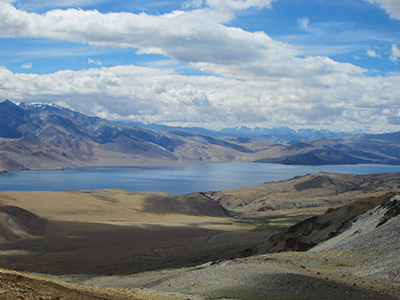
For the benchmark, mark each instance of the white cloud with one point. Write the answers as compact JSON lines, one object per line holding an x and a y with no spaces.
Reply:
{"x":337,"y":101}
{"x":27,"y":66}
{"x":372,"y":53}
{"x":256,"y":77}
{"x":94,"y":61}
{"x":192,"y":4}
{"x":239,"y":4}
{"x":395,"y":53}
{"x":392,"y":7}
{"x":196,"y":36}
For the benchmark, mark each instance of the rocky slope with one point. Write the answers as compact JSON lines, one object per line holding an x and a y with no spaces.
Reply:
{"x":315,"y":230}
{"x":18,"y":285}
{"x":373,"y":239}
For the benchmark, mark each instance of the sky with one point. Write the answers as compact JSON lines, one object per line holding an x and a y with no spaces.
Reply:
{"x":319,"y":64}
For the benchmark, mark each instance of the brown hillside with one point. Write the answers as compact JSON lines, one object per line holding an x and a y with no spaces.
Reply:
{"x":17,"y":285}
{"x":115,"y":232}
{"x":17,"y":223}
{"x":312,"y":193}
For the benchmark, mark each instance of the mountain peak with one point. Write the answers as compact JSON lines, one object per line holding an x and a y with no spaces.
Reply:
{"x":39,"y":105}
{"x":9,"y":104}
{"x":9,"y":109}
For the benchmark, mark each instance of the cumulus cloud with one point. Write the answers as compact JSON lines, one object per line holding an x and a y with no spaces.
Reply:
{"x":340,"y":101}
{"x":192,"y":4}
{"x":254,"y":76}
{"x":395,"y":53}
{"x":392,"y":7}
{"x":372,"y":53}
{"x":26,"y":66}
{"x":196,"y":36}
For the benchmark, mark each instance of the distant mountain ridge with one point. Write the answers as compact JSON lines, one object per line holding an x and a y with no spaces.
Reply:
{"x":352,"y":149}
{"x":50,"y":136}
{"x":42,"y":136}
{"x":274,"y":134}
{"x":280,"y":134}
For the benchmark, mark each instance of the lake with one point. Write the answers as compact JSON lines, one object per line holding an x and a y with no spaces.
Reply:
{"x":172,"y":179}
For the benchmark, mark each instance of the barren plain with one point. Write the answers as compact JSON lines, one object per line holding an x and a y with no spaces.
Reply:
{"x":195,"y":246}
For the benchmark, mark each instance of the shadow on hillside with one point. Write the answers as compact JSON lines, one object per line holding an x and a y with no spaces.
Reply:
{"x":90,"y":248}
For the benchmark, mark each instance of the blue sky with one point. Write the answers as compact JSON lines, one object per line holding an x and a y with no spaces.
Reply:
{"x":211,"y":63}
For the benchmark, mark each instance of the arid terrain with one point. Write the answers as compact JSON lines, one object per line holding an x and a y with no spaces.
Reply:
{"x":309,"y":194}
{"x":113,"y":232}
{"x":17,"y":285}
{"x":40,"y":136}
{"x":200,"y":149}
{"x":207,"y":245}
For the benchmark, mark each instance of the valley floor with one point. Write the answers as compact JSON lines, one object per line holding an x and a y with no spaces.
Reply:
{"x":160,"y":246}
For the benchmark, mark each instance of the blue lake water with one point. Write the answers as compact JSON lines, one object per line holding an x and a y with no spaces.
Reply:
{"x":172,"y":179}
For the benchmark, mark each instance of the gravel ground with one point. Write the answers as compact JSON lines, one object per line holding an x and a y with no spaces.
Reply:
{"x":375,"y":250}
{"x":360,"y":263}
{"x":16,"y":285}
{"x":261,"y":277}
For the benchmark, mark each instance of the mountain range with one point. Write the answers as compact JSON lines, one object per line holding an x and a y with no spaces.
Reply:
{"x":274,"y":134}
{"x":50,"y":136}
{"x":40,"y":136}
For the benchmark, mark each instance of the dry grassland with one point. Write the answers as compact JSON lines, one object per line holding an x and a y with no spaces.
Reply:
{"x":142,"y":240}
{"x":117,"y":232}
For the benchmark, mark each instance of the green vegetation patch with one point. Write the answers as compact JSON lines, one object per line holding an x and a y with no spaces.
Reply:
{"x":276,"y":223}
